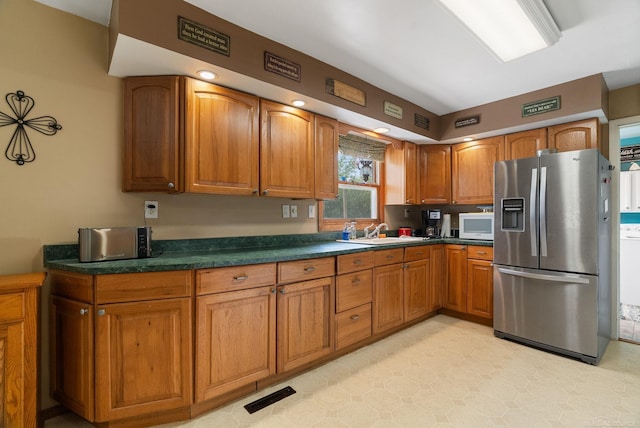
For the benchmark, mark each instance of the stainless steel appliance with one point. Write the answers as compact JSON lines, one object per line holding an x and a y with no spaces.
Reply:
{"x":115,"y":243}
{"x":551,"y":252}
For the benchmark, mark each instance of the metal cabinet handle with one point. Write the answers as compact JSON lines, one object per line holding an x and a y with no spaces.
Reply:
{"x":171,"y":185}
{"x":357,"y":262}
{"x":389,"y":257}
{"x":265,"y":192}
{"x":273,"y":291}
{"x":356,"y":281}
{"x":481,"y":252}
{"x":309,"y":269}
{"x":84,"y":311}
{"x":282,"y":291}
{"x":240,"y":277}
{"x":255,"y":191}
{"x":101,"y":312}
{"x":355,"y":317}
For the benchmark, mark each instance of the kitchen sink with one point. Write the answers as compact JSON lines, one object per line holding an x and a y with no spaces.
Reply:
{"x":383,"y":241}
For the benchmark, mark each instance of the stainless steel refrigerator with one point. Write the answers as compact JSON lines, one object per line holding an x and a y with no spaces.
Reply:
{"x":552,"y":235}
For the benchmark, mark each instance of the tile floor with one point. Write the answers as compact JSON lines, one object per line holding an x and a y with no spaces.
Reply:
{"x":445,"y":372}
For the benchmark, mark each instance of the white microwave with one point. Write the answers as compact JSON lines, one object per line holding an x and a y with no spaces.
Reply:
{"x":476,"y":226}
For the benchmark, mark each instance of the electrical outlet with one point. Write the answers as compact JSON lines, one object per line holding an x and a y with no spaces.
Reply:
{"x":150,"y":209}
{"x":294,"y":211}
{"x":312,"y":211}
{"x":286,"y":212}
{"x":406,"y":213}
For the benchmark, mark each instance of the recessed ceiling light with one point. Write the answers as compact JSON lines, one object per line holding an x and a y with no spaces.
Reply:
{"x":381,"y":130}
{"x":206,"y":74}
{"x":298,"y":103}
{"x":468,"y":139}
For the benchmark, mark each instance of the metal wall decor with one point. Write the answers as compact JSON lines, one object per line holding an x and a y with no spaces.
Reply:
{"x":20,"y":149}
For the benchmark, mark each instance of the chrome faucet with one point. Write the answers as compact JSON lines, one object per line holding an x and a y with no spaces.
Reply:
{"x":375,"y":232}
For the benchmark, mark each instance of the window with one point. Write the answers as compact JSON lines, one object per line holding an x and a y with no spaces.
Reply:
{"x":359,"y":177}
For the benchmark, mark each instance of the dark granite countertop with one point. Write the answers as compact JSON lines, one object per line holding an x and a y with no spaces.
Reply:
{"x":219,"y":252}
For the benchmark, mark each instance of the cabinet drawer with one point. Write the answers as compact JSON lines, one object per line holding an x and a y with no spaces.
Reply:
{"x":131,"y":287}
{"x":234,"y":278}
{"x":353,"y":262}
{"x":353,"y":325}
{"x":11,"y":306}
{"x":388,"y":257}
{"x":303,"y":270}
{"x":353,"y":289}
{"x":478,"y":252}
{"x":417,"y":253}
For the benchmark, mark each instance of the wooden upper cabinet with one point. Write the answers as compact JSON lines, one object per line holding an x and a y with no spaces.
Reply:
{"x":583,"y":134}
{"x":286,"y":151}
{"x":472,"y":170}
{"x":525,"y":144}
{"x":326,"y":158}
{"x":152,"y":142}
{"x":222,"y":145}
{"x":434,"y":172}
{"x":401,"y":174}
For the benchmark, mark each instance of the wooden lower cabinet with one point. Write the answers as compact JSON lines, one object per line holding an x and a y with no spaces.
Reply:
{"x":19,"y":365}
{"x":417,"y":282}
{"x":116,"y":356}
{"x":469,"y":285}
{"x":235,"y":340}
{"x":143,"y":357}
{"x":436,"y":276}
{"x":305,"y":322}
{"x":388,"y":297}
{"x":455,"y":296}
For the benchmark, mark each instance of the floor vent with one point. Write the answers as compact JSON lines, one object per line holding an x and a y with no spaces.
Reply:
{"x":268,"y":400}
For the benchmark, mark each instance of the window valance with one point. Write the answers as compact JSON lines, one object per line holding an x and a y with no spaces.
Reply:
{"x":362,"y":147}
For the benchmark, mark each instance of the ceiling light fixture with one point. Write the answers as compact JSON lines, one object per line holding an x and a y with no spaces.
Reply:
{"x":381,"y":130}
{"x":206,"y":74}
{"x":298,"y":103}
{"x":510,"y":28}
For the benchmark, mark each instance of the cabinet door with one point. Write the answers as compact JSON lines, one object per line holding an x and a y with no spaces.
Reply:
{"x":434,"y":172}
{"x":222,"y":145}
{"x":583,"y":134}
{"x":472,"y":170}
{"x":626,"y":191}
{"x":455,"y":296}
{"x":388,"y":300}
{"x":305,"y":313}
{"x":326,"y":158}
{"x":437,"y":277}
{"x":480,"y":288}
{"x":401,"y":174}
{"x":417,"y":289}
{"x":635,"y":191}
{"x":525,"y":144}
{"x":235,"y":340}
{"x":143,"y":357}
{"x":286,"y":151}
{"x":71,"y":354}
{"x":152,"y":141}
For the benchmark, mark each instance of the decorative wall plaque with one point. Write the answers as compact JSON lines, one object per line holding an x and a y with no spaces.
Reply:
{"x":467,"y":121}
{"x":283,"y":67}
{"x":204,"y":37}
{"x":542,"y":106}
{"x":421,"y":121}
{"x":629,"y":153}
{"x":346,"y":92}
{"x":392,"y":110}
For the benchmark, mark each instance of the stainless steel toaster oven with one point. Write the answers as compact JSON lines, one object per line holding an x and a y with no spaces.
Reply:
{"x":114,"y":243}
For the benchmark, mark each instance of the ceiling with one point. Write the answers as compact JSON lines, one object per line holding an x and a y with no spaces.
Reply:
{"x":418,"y":51}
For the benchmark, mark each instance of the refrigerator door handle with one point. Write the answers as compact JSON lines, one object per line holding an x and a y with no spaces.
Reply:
{"x":532,"y":212}
{"x":573,"y":279}
{"x":543,"y":211}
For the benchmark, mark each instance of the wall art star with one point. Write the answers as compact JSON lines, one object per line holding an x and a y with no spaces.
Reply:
{"x":20,"y":149}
